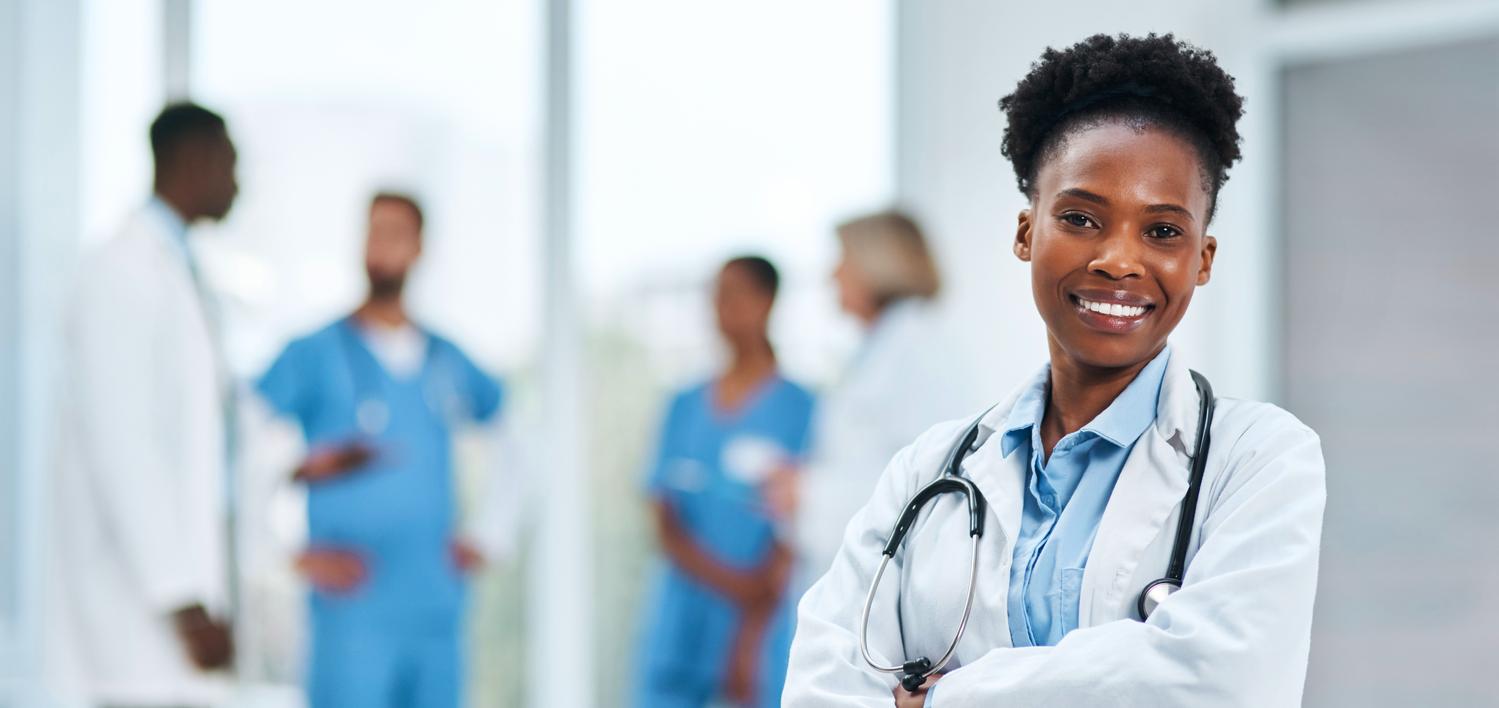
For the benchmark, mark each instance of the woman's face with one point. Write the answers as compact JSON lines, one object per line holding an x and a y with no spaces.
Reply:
{"x":855,"y":295}
{"x":1117,"y":242}
{"x":742,"y":306}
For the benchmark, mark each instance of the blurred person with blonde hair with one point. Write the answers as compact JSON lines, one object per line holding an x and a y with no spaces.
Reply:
{"x":895,"y":386}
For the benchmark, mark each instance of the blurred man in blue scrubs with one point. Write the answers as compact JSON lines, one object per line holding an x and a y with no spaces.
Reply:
{"x":720,"y":626}
{"x":378,"y":398}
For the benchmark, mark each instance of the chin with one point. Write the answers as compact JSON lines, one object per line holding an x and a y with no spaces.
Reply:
{"x":1106,"y":352}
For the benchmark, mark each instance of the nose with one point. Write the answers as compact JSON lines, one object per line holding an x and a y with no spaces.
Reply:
{"x":1118,"y":255}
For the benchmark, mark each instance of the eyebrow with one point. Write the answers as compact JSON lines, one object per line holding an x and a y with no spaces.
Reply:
{"x":1084,"y":195}
{"x":1101,"y":200}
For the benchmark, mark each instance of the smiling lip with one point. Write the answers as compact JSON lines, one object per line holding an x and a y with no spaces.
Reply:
{"x":1114,"y":311}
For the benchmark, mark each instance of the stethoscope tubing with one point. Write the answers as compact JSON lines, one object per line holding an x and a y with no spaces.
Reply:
{"x":915,"y":672}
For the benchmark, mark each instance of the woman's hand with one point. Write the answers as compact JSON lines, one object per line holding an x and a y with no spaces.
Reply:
{"x":332,"y":570}
{"x":782,"y":491}
{"x":744,"y":655}
{"x":466,"y":557}
{"x":907,"y":699}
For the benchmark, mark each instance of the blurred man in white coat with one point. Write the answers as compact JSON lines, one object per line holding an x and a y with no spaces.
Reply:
{"x":141,"y":556}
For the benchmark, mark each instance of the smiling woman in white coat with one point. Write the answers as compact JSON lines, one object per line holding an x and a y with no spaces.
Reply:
{"x":1112,"y":469}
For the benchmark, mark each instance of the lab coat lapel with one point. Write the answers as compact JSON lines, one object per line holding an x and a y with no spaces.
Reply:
{"x":1144,"y":501}
{"x":1002,"y":482}
{"x":1001,"y":479}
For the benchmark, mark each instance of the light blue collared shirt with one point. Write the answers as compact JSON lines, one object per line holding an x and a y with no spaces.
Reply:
{"x":1065,"y":499}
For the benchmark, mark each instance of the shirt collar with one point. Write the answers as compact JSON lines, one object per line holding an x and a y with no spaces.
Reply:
{"x":1026,"y":412}
{"x":1120,"y":424}
{"x":168,"y":217}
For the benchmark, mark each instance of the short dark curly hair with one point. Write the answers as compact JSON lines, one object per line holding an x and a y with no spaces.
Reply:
{"x":1155,"y":81}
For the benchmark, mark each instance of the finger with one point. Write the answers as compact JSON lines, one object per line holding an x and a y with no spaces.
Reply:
{"x":352,"y":570}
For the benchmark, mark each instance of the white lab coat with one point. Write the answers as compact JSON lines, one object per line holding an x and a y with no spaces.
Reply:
{"x":892,"y":391}
{"x":1237,"y":634}
{"x":138,"y":499}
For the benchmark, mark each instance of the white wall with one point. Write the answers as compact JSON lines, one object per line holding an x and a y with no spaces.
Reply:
{"x":957,"y":58}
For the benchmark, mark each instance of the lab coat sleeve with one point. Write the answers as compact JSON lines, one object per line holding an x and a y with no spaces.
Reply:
{"x":826,"y":668}
{"x":497,"y":521}
{"x":1236,"y":634}
{"x":121,"y":349}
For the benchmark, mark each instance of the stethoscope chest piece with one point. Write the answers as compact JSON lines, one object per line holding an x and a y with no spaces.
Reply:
{"x":372,"y":415}
{"x":1154,"y":594}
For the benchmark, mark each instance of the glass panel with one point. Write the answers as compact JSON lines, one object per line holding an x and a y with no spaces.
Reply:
{"x":707,"y":130}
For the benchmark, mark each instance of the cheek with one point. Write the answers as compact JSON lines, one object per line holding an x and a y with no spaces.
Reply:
{"x":1177,"y":276}
{"x":1051,"y":259}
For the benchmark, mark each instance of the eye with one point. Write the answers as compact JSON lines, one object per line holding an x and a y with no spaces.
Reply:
{"x":1163,"y":231}
{"x":1077,"y":219}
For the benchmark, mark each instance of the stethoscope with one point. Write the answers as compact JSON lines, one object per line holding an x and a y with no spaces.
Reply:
{"x":914,"y":672}
{"x":371,"y":412}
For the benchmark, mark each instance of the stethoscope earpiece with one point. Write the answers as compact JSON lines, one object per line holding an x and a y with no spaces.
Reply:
{"x":914,"y":674}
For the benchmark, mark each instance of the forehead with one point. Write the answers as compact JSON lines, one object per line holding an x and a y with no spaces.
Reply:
{"x":391,"y":209}
{"x":733,"y":274}
{"x":1127,"y":165}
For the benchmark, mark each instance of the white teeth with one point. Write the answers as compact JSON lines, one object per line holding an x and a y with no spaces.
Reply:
{"x":1112,"y":309}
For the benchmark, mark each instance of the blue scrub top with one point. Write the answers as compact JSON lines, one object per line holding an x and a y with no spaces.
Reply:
{"x":707,"y":467}
{"x":1065,"y":499}
{"x":399,"y":511}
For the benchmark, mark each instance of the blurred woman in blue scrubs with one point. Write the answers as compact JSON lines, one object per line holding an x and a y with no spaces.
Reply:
{"x":719,"y":629}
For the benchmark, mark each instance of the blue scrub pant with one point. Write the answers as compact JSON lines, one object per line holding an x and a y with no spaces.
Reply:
{"x":369,"y":668}
{"x":660,"y":687}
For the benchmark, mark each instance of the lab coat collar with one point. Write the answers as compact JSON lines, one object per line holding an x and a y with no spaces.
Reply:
{"x":1120,"y":423}
{"x":1149,"y":488}
{"x":168,"y":219}
{"x":1145,"y":499}
{"x":1001,"y":478}
{"x":1176,"y":406}
{"x":1176,"y":409}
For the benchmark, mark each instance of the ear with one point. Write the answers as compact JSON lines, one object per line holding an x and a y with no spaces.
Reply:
{"x":1209,"y":249}
{"x":1023,"y":236}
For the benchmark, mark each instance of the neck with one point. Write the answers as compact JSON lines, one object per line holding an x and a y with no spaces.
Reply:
{"x":386,"y":311}
{"x":750,"y":364}
{"x":1079,"y":392}
{"x":870,"y":317}
{"x":175,"y":201}
{"x":751,"y":359}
